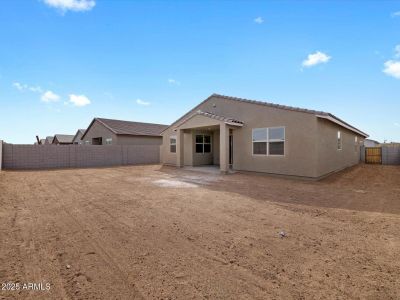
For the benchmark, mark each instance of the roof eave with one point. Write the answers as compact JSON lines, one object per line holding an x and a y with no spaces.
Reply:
{"x":343,"y":124}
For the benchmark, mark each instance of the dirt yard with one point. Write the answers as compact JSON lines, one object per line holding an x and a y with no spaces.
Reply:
{"x":151,"y":232}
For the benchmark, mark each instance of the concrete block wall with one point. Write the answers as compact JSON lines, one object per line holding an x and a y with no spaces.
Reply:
{"x":391,"y":154}
{"x":19,"y":157}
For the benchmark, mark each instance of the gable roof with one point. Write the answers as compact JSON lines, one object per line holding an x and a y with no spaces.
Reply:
{"x":82,"y":131}
{"x":227,"y":120}
{"x":64,"y":138}
{"x":49,"y":139}
{"x":120,"y":127}
{"x":317,"y":113}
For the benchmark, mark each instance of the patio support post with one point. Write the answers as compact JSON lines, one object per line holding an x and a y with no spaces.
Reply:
{"x":224,"y":148}
{"x":179,"y":148}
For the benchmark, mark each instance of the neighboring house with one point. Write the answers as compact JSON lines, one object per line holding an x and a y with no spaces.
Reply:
{"x":42,"y":141}
{"x":77,"y":138}
{"x":116,"y":132}
{"x":263,"y":137}
{"x":49,"y":140}
{"x":371,"y":143}
{"x":62,"y":139}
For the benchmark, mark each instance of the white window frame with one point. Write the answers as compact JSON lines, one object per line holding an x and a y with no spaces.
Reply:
{"x":108,"y":141}
{"x":203,"y":143}
{"x":339,"y":140}
{"x":356,"y":143}
{"x":172,"y":137}
{"x":269,"y":141}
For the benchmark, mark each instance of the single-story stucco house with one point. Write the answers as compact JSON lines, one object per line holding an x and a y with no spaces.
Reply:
{"x":62,"y":139}
{"x":371,"y":143}
{"x":78,"y":135}
{"x":49,"y":140}
{"x":117,"y":132}
{"x":259,"y":136}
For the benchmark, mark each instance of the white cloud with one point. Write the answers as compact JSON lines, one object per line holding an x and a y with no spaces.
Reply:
{"x":21,"y":87}
{"x":141,"y":102}
{"x":49,"y":96}
{"x":73,"y":5}
{"x":259,"y":20}
{"x":392,"y":68}
{"x":173,"y":81}
{"x":35,"y":89}
{"x":315,"y":59}
{"x":396,"y":14}
{"x":79,"y":100}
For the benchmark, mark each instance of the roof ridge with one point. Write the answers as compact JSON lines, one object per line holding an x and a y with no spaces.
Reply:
{"x":311,"y":111}
{"x":137,"y":122}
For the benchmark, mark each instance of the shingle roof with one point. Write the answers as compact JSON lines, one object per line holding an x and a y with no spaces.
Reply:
{"x":64,"y":138}
{"x":130,"y":128}
{"x":49,"y":139}
{"x":303,"y":110}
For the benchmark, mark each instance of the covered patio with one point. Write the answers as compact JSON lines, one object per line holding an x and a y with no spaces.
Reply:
{"x":206,"y":139}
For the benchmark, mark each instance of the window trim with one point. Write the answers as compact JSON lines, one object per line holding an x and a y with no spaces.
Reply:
{"x":339,"y":137}
{"x":172,"y":137}
{"x":203,"y":143}
{"x":356,"y":143}
{"x":268,"y":141}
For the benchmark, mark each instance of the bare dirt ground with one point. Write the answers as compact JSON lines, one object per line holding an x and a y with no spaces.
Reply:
{"x":152,"y":232}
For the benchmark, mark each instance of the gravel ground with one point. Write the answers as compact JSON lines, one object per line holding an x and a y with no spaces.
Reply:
{"x":152,"y":232}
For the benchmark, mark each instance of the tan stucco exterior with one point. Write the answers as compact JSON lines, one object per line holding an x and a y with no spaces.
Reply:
{"x":97,"y":129}
{"x":310,"y":142}
{"x":77,"y":138}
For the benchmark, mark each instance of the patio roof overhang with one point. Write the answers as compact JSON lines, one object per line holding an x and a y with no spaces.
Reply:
{"x":204,"y":119}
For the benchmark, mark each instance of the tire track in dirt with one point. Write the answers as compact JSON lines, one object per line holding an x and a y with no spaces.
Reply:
{"x":98,"y":252}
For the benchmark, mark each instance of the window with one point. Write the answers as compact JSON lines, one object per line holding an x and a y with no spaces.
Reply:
{"x":260,"y":141}
{"x":108,"y":141}
{"x":203,"y":143}
{"x":97,"y":141}
{"x":87,"y":142}
{"x":339,"y":140}
{"x":269,"y":141}
{"x":355,"y":143}
{"x":172,"y":144}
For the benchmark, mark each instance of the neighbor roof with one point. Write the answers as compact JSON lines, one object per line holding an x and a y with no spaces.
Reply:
{"x":64,"y":138}
{"x":129,"y":127}
{"x":49,"y":139}
{"x":320,"y":114}
{"x":82,"y":131}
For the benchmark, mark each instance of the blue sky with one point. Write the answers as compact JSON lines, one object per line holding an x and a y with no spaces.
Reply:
{"x":63,"y":62}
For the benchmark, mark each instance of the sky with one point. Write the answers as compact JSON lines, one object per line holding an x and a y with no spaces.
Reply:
{"x":64,"y":62}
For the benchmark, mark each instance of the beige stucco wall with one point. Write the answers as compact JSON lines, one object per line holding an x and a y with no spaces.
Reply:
{"x":99,"y":130}
{"x":309,"y":151}
{"x":300,"y":146}
{"x":77,"y":138}
{"x":138,"y":140}
{"x":330,"y":159}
